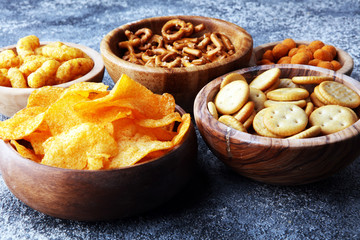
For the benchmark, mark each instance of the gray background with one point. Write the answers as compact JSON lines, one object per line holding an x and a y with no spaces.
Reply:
{"x":218,"y":204}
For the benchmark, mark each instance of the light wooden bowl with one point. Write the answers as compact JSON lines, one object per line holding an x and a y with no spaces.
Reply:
{"x":91,"y":195}
{"x":343,"y":57}
{"x":14,"y":99}
{"x":274,"y":160}
{"x":182,"y":83}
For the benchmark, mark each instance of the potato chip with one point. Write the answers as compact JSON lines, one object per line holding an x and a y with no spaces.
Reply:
{"x":36,"y":139}
{"x":25,"y":152}
{"x":70,"y":149}
{"x":155,"y":123}
{"x":44,"y":97}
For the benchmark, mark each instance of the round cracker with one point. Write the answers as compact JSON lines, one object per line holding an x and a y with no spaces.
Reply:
{"x":212,"y":109}
{"x":315,"y":100}
{"x":266,"y":79}
{"x":287,"y":83}
{"x":259,"y":127}
{"x":310,"y":79}
{"x":232,"y":97}
{"x":245,"y":111}
{"x":230,"y":78}
{"x":308,"y":133}
{"x":320,"y":97}
{"x":258,"y":97}
{"x":232,"y":122}
{"x":301,"y":103}
{"x":338,"y":93}
{"x":248,"y":122}
{"x":287,"y":94}
{"x":309,"y":108}
{"x":332,"y":118}
{"x":285,"y":119}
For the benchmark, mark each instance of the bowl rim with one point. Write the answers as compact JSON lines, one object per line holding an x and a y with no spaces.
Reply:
{"x":94,"y":55}
{"x":169,"y":154}
{"x":346,"y":68}
{"x":222,"y":129}
{"x":105,"y":49}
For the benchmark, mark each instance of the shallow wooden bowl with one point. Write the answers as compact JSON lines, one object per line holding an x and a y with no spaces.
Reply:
{"x":274,"y":160}
{"x":343,"y":57}
{"x":182,"y":83}
{"x":90,"y":195}
{"x":14,"y":99}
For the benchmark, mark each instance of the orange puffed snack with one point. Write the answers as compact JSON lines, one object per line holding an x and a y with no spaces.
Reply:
{"x":36,"y":66}
{"x":86,"y":127}
{"x":316,"y":53}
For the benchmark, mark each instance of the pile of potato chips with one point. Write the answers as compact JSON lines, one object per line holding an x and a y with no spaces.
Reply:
{"x":87,"y":127}
{"x":33,"y":65}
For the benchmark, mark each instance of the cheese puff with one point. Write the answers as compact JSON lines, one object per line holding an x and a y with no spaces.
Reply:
{"x":315,"y":45}
{"x":300,"y":58}
{"x":280,"y":50}
{"x":4,"y":79}
{"x":331,"y":49}
{"x":284,"y":60}
{"x":9,"y":59}
{"x":268,"y":55}
{"x":326,"y":64}
{"x":336,"y":65}
{"x":289,"y":42}
{"x":73,"y":68}
{"x":323,"y":55}
{"x":31,"y":64}
{"x":26,"y":45}
{"x":62,"y":53}
{"x":17,"y":78}
{"x":292,"y":52}
{"x":44,"y":75}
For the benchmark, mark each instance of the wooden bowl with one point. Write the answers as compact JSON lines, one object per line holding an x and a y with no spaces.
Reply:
{"x":343,"y":57}
{"x":14,"y":99}
{"x":182,"y":83}
{"x":90,"y":195}
{"x":274,"y":160}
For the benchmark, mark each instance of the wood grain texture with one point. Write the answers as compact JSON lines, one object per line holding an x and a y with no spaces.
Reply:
{"x":273,"y":160}
{"x":14,"y":99}
{"x":182,"y":83}
{"x":88,"y":195}
{"x":343,"y":57}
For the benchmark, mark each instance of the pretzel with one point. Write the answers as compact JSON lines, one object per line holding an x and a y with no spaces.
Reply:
{"x":145,"y":34}
{"x":177,"y":24}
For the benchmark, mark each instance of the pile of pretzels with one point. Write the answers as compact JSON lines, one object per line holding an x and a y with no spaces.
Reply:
{"x":175,"y":47}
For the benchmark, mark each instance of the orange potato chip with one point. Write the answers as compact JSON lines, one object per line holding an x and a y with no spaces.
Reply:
{"x":25,"y":152}
{"x":70,"y":149}
{"x":155,"y":123}
{"x":36,"y":139}
{"x":44,"y":97}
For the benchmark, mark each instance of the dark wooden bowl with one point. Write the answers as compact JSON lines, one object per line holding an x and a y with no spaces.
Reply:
{"x":182,"y":83}
{"x":89,"y":195}
{"x":14,"y":99}
{"x":273,"y":160}
{"x":343,"y":57}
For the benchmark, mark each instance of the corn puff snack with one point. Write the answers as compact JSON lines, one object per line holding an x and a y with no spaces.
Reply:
{"x":62,"y":53}
{"x":4,"y":79}
{"x":36,"y":66}
{"x":44,"y":75}
{"x":8,"y":59}
{"x":16,"y":78}
{"x":27,"y":45}
{"x":72,"y":69}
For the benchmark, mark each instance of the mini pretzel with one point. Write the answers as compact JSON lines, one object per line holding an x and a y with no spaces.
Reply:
{"x":200,"y":27}
{"x":189,"y":29}
{"x":178,"y":25}
{"x":175,"y":63}
{"x":144,"y":33}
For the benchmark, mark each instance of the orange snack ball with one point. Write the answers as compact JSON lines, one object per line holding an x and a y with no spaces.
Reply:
{"x":336,"y":65}
{"x":323,"y":55}
{"x":314,"y":62}
{"x":280,"y":50}
{"x":326,"y":64}
{"x":300,"y":58}
{"x":289,"y":42}
{"x":284,"y":60}
{"x":264,"y":62}
{"x":302,"y":46}
{"x":331,"y":49}
{"x":307,"y":52}
{"x":292,"y":52}
{"x":315,"y":45}
{"x":268,"y":54}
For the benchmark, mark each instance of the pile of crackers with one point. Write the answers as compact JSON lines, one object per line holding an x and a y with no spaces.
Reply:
{"x":270,"y":106}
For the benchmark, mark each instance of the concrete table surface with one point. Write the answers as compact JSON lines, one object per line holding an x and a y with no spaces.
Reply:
{"x":219,"y":204}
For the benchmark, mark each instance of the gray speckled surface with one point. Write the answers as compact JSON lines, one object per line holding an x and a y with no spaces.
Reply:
{"x":218,"y":204}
